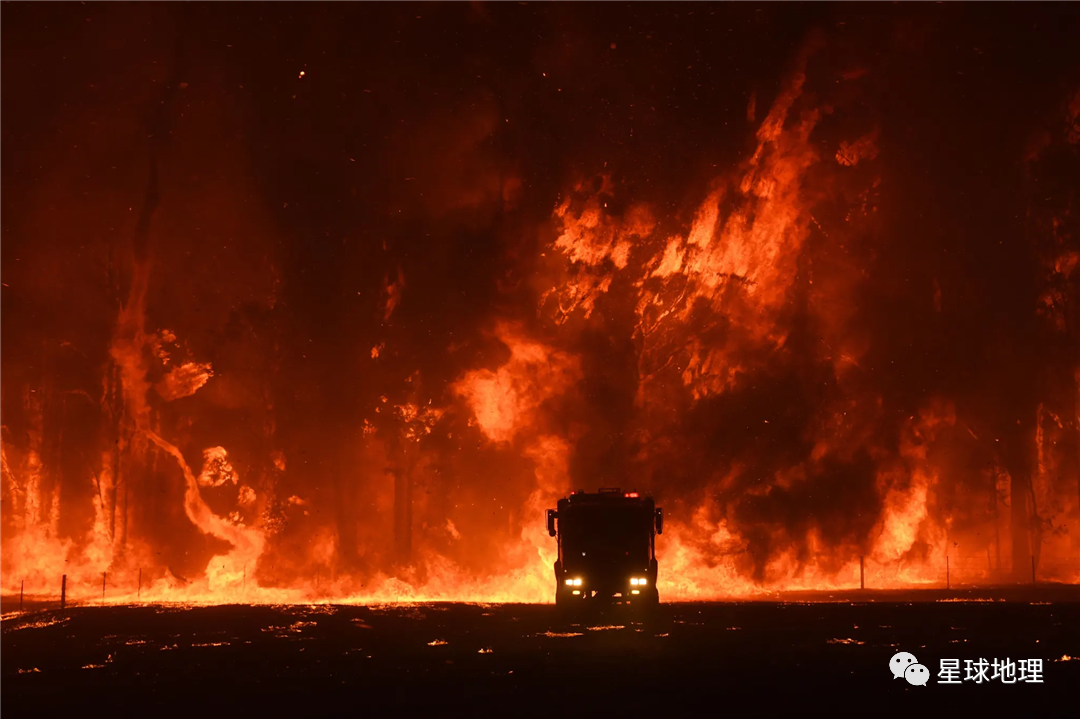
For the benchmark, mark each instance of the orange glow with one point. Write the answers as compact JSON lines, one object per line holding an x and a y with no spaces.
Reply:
{"x":707,"y":289}
{"x":505,"y":401}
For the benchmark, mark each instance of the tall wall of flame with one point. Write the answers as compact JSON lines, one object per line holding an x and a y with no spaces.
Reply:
{"x":334,"y":305}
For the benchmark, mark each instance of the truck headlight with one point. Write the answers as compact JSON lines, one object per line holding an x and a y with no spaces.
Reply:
{"x":637,"y":582}
{"x":573,"y":582}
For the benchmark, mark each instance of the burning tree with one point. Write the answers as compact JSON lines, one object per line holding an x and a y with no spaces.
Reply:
{"x":356,"y":328}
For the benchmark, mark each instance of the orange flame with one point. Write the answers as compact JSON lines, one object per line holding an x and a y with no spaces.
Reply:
{"x":729,"y":274}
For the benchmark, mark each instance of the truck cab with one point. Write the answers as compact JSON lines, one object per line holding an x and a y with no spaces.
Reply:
{"x":607,"y":548}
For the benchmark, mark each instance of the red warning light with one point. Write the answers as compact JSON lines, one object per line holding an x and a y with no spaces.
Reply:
{"x":631,"y":494}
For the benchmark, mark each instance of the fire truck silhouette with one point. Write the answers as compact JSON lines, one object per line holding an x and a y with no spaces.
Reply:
{"x":607,"y":548}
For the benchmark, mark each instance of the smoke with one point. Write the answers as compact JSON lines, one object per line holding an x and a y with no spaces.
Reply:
{"x":813,"y":287}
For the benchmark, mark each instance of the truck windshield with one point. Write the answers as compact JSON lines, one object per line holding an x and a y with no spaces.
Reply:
{"x":607,"y":533}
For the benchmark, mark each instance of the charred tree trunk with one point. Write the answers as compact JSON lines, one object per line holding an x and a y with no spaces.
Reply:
{"x":1018,"y":459}
{"x":402,"y":515}
{"x":1018,"y":497}
{"x":399,"y":469}
{"x":130,"y":416}
{"x":1076,"y":434}
{"x":995,"y":510}
{"x":113,"y":410}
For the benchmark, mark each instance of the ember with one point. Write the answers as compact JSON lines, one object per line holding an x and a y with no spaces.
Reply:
{"x":816,"y":291}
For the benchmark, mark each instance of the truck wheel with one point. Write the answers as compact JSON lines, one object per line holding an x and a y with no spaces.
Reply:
{"x":567,"y":607}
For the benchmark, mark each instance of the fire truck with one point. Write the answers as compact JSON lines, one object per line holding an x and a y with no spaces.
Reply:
{"x":607,"y":548}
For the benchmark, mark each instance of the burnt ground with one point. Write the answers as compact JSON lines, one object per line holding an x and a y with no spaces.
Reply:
{"x":692,"y":659}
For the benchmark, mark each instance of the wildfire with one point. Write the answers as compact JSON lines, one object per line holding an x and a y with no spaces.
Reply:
{"x":714,"y":354}
{"x":184,"y":381}
{"x":505,"y":401}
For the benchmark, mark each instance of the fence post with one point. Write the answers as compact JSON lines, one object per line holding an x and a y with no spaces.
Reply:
{"x":103,"y":587}
{"x":138,"y":592}
{"x":947,"y":583}
{"x":22,"y":587}
{"x":63,"y":591}
{"x":862,"y":582}
{"x":1033,"y":569}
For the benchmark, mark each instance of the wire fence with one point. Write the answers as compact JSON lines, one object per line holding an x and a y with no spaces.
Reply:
{"x":953,"y":572}
{"x":69,"y":591}
{"x":968,"y":571}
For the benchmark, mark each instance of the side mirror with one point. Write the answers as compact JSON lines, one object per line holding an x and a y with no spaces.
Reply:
{"x":659,"y":521}
{"x":551,"y":515}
